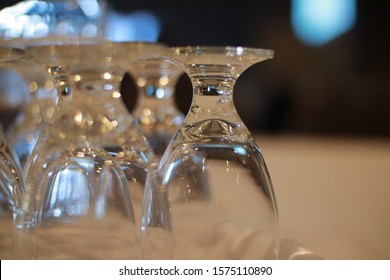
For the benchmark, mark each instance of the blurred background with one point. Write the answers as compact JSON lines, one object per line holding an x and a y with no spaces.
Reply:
{"x":330,"y":72}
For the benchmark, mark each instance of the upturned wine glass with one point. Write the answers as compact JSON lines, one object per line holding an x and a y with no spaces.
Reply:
{"x":36,"y":113}
{"x":11,"y":182}
{"x":156,"y":111}
{"x":11,"y":190}
{"x":222,"y":202}
{"x":86,"y":176}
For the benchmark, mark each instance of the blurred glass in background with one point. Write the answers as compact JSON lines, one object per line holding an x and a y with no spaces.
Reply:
{"x":36,"y":19}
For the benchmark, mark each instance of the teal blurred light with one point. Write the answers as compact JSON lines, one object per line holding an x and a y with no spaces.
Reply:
{"x":317,"y":22}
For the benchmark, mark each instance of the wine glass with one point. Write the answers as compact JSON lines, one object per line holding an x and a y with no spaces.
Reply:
{"x":11,"y":189}
{"x":222,"y":203}
{"x":24,"y":130}
{"x":85,"y":178}
{"x":11,"y":183}
{"x":156,"y":111}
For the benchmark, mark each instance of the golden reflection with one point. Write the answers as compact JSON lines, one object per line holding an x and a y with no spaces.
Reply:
{"x":145,"y":121}
{"x":147,"y":112}
{"x":107,"y":124}
{"x":116,"y":94}
{"x":76,"y":78}
{"x":80,"y":154}
{"x":61,"y":135}
{"x":32,"y":87}
{"x":120,"y":155}
{"x":90,"y":121}
{"x":49,"y":85}
{"x":141,"y":82}
{"x":163,"y":81}
{"x":78,"y":118}
{"x":107,"y":76}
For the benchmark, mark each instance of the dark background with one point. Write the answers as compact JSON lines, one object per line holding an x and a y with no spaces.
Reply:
{"x":339,"y":88}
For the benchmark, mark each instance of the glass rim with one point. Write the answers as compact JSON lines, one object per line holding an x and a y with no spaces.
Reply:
{"x":79,"y":42}
{"x":102,"y":45}
{"x":10,"y":52}
{"x":229,"y":50}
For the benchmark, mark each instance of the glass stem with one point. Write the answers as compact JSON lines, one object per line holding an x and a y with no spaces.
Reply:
{"x":213,"y":114}
{"x":213,"y":99}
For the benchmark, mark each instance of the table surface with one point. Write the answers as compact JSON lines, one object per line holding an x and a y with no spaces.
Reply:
{"x":333,"y":193}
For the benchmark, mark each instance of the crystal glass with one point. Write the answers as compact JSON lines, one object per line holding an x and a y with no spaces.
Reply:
{"x":11,"y":183}
{"x":156,"y":111}
{"x":46,"y":85}
{"x":86,"y":176}
{"x":222,"y":203}
{"x":24,"y":130}
{"x":11,"y":189}
{"x":13,"y":94}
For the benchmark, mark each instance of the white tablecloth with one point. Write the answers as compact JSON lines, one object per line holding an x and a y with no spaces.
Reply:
{"x":333,"y":193}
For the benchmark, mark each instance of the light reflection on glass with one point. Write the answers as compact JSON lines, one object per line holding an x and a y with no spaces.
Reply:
{"x":65,"y":198}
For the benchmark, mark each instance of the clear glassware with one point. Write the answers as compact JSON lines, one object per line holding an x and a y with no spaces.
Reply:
{"x":46,"y":85}
{"x":156,"y":111}
{"x":13,"y":94}
{"x":85,"y":179}
{"x":11,"y":183}
{"x":11,"y":190}
{"x":222,"y":203}
{"x":24,"y":130}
